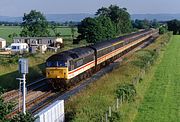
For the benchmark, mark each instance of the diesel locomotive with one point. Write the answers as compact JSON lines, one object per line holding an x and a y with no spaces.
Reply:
{"x":69,"y":67}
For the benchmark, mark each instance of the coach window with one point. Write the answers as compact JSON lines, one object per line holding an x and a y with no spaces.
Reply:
{"x":80,"y":62}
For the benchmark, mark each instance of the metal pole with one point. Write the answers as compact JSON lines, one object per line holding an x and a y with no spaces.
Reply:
{"x":19,"y":94}
{"x":24,"y":93}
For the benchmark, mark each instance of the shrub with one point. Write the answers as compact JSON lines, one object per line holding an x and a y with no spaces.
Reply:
{"x":115,"y":117}
{"x":126,"y":92}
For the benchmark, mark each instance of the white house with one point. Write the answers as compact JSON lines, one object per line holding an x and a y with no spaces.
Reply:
{"x":2,"y":43}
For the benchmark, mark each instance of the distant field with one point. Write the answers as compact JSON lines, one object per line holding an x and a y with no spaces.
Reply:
{"x":162,"y":99}
{"x":5,"y":31}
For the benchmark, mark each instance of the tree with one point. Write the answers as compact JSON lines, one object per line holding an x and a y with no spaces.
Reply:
{"x":108,"y":23}
{"x":12,"y":35}
{"x":73,"y":30}
{"x":108,"y":30}
{"x":141,"y":24}
{"x":174,"y":25}
{"x":155,"y":24}
{"x":5,"y":107}
{"x":119,"y":16}
{"x":90,"y":30}
{"x":21,"y":117}
{"x":34,"y":25}
{"x":163,"y":29}
{"x":103,"y":11}
{"x":96,"y":29}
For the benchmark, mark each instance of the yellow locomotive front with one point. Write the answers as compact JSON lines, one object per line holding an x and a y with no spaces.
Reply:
{"x":57,"y":67}
{"x":56,"y":72}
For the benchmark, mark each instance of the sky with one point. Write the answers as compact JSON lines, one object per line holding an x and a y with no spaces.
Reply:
{"x":19,"y":7}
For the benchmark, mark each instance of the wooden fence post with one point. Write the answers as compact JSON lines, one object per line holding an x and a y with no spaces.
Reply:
{"x":117,"y":103}
{"x":109,"y":111}
{"x":106,"y":116}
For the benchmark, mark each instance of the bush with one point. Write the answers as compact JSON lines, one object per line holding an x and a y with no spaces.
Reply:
{"x":21,"y":117}
{"x":126,"y":92}
{"x":115,"y":117}
{"x":146,"y":58}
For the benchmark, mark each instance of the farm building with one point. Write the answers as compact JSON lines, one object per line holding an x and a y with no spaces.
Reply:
{"x":2,"y":43}
{"x":31,"y":41}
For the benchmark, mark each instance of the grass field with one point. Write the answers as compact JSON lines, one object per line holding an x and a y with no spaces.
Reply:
{"x":162,"y":99}
{"x":5,"y":31}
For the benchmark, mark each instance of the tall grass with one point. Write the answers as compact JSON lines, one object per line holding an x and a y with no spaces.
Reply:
{"x":9,"y":71}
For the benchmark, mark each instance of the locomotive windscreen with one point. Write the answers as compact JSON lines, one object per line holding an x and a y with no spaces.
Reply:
{"x":56,"y":64}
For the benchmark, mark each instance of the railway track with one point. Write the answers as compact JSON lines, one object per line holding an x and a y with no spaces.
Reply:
{"x":40,"y":95}
{"x":14,"y":94}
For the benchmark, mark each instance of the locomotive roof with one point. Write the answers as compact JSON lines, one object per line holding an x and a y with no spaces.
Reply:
{"x":81,"y":51}
{"x":71,"y":54}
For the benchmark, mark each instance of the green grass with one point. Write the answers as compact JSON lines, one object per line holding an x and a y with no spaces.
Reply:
{"x":162,"y":99}
{"x":5,"y":31}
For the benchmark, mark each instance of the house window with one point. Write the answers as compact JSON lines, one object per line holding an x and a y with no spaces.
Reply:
{"x":26,"y":41}
{"x":38,"y":41}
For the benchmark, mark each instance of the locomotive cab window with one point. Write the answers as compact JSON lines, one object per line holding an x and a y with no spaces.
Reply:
{"x":56,"y":64}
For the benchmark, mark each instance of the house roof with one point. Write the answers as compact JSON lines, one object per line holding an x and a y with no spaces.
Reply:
{"x":36,"y":37}
{"x":1,"y":39}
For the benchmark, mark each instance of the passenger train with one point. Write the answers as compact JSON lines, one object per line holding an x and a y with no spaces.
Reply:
{"x":69,"y":67}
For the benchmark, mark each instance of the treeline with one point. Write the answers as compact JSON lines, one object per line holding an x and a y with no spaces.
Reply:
{"x":145,"y":24}
{"x":4,"y":23}
{"x":174,"y":25}
{"x":108,"y":23}
{"x":58,"y":24}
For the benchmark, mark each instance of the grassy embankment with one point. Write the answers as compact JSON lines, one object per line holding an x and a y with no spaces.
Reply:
{"x":162,"y":98}
{"x":91,"y":104}
{"x":9,"y":66}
